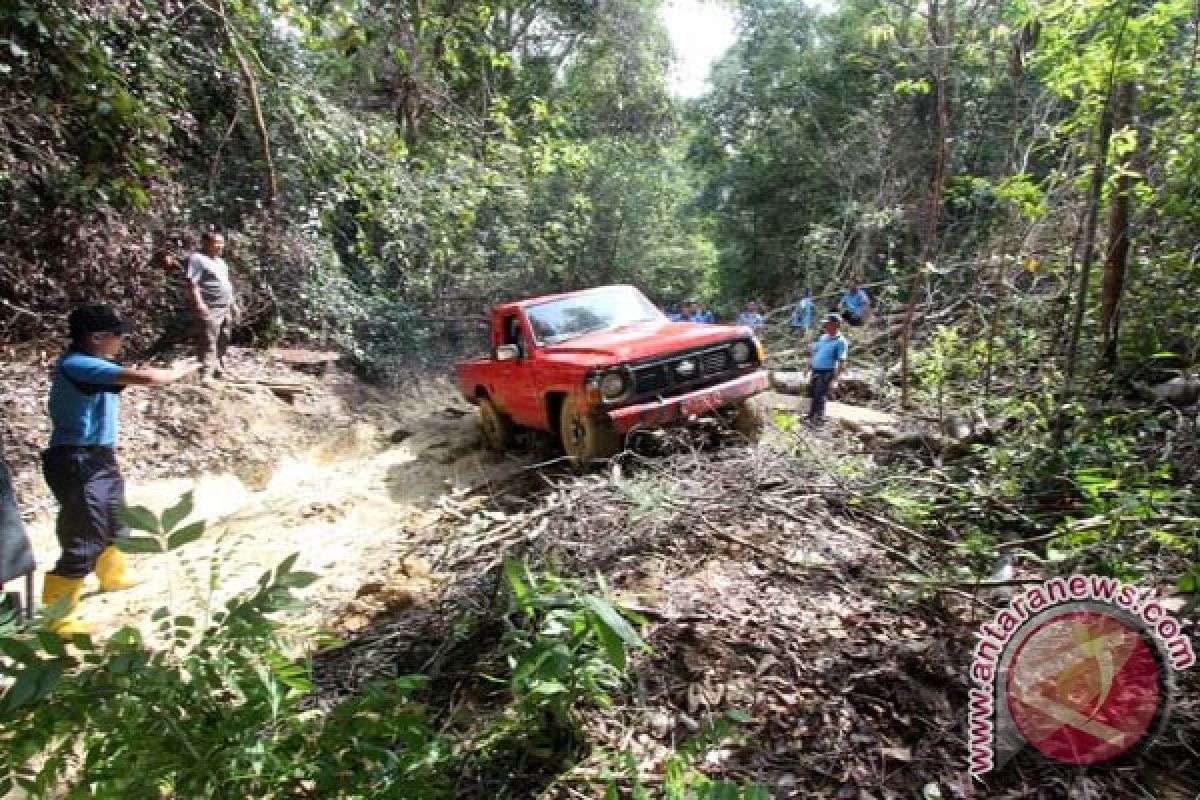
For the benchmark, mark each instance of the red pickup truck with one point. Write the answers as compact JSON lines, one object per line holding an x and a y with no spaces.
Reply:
{"x":595,"y":365}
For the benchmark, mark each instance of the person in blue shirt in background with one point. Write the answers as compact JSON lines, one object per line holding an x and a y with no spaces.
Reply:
{"x":751,"y":317}
{"x":80,"y":464}
{"x":829,"y":354}
{"x":802,"y":316}
{"x":673,"y":313}
{"x":691,"y":312}
{"x":705,"y":315}
{"x":855,"y":304}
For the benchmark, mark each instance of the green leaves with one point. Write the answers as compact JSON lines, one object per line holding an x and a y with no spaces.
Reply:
{"x":614,"y":630}
{"x":178,"y":512}
{"x":575,"y":651}
{"x":185,"y":535}
{"x":165,"y":537}
{"x":1189,"y":583}
{"x":140,"y":519}
{"x":140,"y":544}
{"x":34,"y":682}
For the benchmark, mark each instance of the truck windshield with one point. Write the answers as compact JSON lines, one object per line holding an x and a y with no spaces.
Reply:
{"x":559,"y":320}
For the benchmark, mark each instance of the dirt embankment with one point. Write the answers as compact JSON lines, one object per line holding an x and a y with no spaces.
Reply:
{"x":188,"y":429}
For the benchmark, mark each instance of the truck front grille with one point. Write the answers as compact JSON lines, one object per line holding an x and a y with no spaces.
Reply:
{"x":650,"y":379}
{"x":664,"y":377}
{"x":716,"y":362}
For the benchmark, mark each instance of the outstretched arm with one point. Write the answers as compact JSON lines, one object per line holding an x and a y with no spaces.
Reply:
{"x":151,"y":376}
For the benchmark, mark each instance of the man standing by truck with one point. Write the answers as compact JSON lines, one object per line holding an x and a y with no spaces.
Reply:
{"x":80,"y":465}
{"x":829,"y":353}
{"x":210,"y":295}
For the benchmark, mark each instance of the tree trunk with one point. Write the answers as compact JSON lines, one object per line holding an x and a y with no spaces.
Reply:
{"x":1117,"y":256}
{"x":941,"y":39}
{"x":271,"y":192}
{"x":1099,"y":173}
{"x":1087,"y":258}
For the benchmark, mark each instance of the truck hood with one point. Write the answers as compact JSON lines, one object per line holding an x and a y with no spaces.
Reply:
{"x":643,"y":340}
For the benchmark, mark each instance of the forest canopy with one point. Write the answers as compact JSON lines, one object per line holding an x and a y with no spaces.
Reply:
{"x":386,"y":170}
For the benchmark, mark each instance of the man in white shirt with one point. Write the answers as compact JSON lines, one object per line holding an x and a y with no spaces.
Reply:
{"x":210,"y":295}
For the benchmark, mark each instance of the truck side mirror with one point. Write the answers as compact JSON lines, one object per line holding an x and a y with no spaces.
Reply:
{"x":508,"y":352}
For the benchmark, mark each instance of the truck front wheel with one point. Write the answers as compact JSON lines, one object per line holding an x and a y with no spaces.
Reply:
{"x":585,"y":437}
{"x":497,"y":426}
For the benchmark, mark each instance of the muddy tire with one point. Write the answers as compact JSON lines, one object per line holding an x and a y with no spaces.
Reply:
{"x":748,"y":420}
{"x":497,"y":426}
{"x":584,"y":437}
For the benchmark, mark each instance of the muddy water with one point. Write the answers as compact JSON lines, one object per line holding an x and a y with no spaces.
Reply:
{"x":347,"y":507}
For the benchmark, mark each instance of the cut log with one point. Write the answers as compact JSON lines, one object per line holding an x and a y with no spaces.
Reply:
{"x":789,"y":382}
{"x":312,"y":362}
{"x":284,"y":391}
{"x":1182,"y":390}
{"x":796,"y":383}
{"x":301,"y":356}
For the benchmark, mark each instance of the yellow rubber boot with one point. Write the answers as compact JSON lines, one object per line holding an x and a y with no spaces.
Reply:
{"x":110,"y":569}
{"x":54,"y":589}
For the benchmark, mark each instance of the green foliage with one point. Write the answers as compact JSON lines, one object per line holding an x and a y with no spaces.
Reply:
{"x":571,"y":649}
{"x":681,"y":778}
{"x":908,"y":505}
{"x":1106,"y":501}
{"x":432,"y":160}
{"x":947,"y":361}
{"x":221,"y":709}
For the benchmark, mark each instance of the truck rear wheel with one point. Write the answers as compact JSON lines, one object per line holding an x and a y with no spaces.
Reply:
{"x":497,"y":426}
{"x":585,"y":437}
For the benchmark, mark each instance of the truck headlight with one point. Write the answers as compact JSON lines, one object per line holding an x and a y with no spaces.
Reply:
{"x":614,"y":385}
{"x":741,"y":352}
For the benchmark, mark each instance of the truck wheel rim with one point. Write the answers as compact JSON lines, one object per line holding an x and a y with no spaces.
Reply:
{"x":578,"y":434}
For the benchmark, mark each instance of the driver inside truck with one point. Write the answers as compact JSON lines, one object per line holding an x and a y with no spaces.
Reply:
{"x":512,"y":334}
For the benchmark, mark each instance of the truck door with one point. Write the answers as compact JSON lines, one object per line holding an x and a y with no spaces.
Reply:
{"x":516,"y":384}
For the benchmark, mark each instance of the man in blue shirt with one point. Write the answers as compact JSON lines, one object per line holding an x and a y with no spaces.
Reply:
{"x":829,"y":353}
{"x":802,"y":315}
{"x":80,"y":465}
{"x":855,"y":304}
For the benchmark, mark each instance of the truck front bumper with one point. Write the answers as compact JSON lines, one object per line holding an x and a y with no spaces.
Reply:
{"x":666,"y":411}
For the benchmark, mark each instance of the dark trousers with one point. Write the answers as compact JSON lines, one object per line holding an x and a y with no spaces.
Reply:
{"x":818,"y":390}
{"x":88,"y":485}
